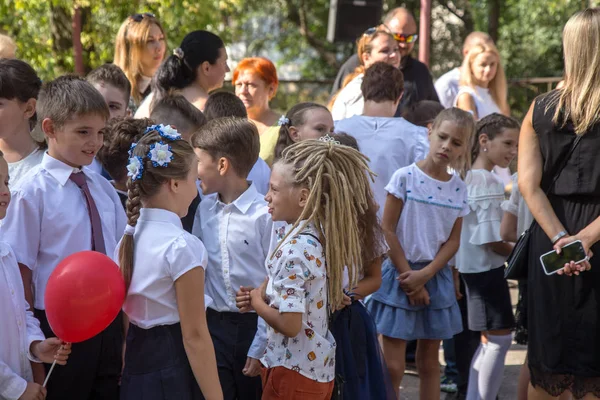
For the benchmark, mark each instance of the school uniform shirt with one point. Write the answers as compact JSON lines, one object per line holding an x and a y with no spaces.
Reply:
{"x":260,"y":174}
{"x":298,"y":284}
{"x":447,"y":87}
{"x":237,"y":237}
{"x":19,"y":328}
{"x":516,"y":206}
{"x":431,"y":208}
{"x":390,"y":144}
{"x":47,"y":219}
{"x":163,"y":252}
{"x":482,"y":225}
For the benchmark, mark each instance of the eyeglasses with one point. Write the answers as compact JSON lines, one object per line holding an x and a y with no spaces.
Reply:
{"x":401,"y":38}
{"x":140,"y":17}
{"x":371,"y":31}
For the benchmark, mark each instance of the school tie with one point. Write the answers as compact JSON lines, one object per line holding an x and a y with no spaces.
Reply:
{"x":97,"y":236}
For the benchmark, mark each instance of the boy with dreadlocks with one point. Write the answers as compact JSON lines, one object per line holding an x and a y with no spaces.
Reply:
{"x":310,"y":190}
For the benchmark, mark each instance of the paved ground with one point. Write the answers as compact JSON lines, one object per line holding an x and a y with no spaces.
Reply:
{"x":508,"y":391}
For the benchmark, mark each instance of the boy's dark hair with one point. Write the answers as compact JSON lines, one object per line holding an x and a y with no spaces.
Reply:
{"x":492,"y":125}
{"x":234,"y":138}
{"x":346,"y":140}
{"x":113,"y":75}
{"x":224,"y":104}
{"x":177,"y":111}
{"x":119,"y":134}
{"x":382,"y":82}
{"x":68,"y":96}
{"x":423,"y":112}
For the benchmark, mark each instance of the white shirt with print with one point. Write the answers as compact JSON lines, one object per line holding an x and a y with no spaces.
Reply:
{"x":298,"y":284}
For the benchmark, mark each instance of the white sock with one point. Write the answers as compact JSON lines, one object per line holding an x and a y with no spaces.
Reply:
{"x":472,"y":391}
{"x":491,"y":371}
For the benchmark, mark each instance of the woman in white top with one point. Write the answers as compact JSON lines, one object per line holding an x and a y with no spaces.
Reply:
{"x":197,"y":67}
{"x":169,"y":349}
{"x":482,"y":254}
{"x":374,"y":45}
{"x":140,"y":48}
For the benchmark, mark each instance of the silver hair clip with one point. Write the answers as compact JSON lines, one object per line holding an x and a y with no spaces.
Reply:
{"x":178,"y":53}
{"x":328,"y":139}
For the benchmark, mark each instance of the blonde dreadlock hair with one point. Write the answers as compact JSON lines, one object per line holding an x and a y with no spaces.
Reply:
{"x":340,"y":200}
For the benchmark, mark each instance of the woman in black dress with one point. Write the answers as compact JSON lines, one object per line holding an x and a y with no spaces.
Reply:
{"x":564,"y":323}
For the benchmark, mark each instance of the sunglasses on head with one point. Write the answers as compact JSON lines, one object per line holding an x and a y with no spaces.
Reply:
{"x":401,"y":38}
{"x":140,"y":17}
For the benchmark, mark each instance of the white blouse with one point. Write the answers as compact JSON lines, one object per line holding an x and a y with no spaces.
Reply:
{"x":482,"y":225}
{"x":163,"y":253}
{"x":349,"y":101}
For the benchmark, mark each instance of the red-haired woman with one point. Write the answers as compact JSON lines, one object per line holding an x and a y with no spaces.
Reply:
{"x":255,"y":81}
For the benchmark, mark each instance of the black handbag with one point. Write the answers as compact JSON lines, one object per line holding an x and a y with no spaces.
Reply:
{"x":518,"y":260}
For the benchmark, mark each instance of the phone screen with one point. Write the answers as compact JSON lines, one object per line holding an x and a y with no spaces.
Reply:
{"x":572,"y":252}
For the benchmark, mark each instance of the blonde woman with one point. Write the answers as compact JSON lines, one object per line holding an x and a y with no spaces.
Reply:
{"x":374,"y":45}
{"x":563,"y":310}
{"x":139,"y":50}
{"x":482,"y":83}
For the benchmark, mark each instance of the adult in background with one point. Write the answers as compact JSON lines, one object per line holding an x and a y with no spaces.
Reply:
{"x":374,"y":46}
{"x":564,"y":328}
{"x":139,"y":50}
{"x":447,"y":85}
{"x":483,"y":90}
{"x":418,"y":84}
{"x":197,"y":67}
{"x":255,"y":81}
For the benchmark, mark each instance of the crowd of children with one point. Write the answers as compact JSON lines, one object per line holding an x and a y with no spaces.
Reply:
{"x":304,"y":276}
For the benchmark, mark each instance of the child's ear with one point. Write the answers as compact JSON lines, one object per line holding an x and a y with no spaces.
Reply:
{"x":483,"y":139}
{"x":30,"y":108}
{"x":48,"y":128}
{"x":174,"y":185}
{"x":223,"y":166}
{"x":294,"y":134}
{"x":304,"y":193}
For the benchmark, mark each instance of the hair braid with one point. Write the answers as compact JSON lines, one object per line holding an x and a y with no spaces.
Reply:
{"x":340,"y":200}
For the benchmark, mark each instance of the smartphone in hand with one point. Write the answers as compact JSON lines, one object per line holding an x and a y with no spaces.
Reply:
{"x":553,"y":262}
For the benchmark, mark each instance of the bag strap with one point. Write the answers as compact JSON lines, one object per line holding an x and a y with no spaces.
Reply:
{"x":564,"y":163}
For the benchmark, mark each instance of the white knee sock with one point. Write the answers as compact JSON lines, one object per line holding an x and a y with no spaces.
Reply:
{"x":491,"y":371}
{"x":472,"y":391}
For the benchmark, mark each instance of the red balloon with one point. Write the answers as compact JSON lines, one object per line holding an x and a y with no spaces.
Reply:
{"x":84,"y":295}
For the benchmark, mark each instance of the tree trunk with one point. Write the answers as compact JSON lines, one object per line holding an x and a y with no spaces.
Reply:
{"x":77,"y":47}
{"x":493,"y":19}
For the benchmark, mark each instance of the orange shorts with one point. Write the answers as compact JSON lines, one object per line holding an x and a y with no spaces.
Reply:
{"x":280,"y":383}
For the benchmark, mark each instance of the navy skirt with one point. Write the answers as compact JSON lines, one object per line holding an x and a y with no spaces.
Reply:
{"x":361,"y":373}
{"x":157,"y":367}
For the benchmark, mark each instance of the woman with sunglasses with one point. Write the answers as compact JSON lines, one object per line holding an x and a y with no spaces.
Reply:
{"x":375,"y":45}
{"x":197,"y":67}
{"x":139,"y":50}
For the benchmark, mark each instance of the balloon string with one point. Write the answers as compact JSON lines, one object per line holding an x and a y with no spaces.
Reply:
{"x":49,"y":373}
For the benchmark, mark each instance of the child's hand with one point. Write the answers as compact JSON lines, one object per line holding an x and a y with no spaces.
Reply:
{"x":259,"y":294}
{"x":242,"y":299}
{"x":33,"y":391}
{"x":51,"y":349}
{"x":420,"y":298}
{"x":346,"y":301}
{"x":252,"y":367}
{"x":413,"y":281}
{"x":456,"y":279}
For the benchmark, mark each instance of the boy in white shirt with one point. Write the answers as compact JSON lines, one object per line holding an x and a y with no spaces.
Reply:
{"x":22,"y":339}
{"x":235,"y":226}
{"x":61,"y":207}
{"x":390,"y":143}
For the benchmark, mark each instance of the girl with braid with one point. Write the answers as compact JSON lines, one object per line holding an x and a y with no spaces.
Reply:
{"x":169,"y":349}
{"x":320,"y":189}
{"x":422,"y":221}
